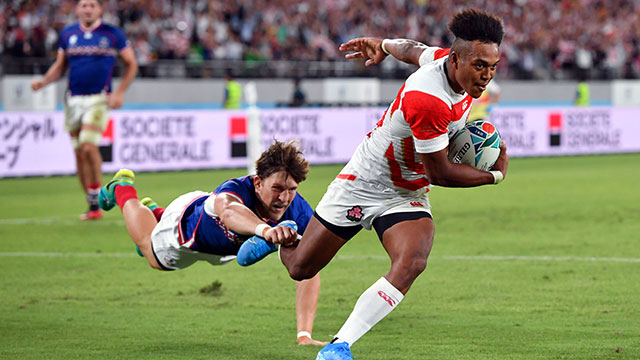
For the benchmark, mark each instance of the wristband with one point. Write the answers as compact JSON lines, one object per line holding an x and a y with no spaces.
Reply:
{"x":261,"y":229}
{"x":303,"y":334}
{"x":497,"y":176}
{"x":383,"y":48}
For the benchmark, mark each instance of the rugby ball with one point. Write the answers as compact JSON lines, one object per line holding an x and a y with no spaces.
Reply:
{"x":476,"y":144}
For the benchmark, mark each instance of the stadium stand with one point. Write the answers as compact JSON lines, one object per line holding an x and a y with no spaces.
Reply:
{"x":292,"y":38}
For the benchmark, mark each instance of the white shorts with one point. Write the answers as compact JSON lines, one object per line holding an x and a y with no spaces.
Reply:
{"x":165,"y":238}
{"x":356,"y":202}
{"x":88,"y":111}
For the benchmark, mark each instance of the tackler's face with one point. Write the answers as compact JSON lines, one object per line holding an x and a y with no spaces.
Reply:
{"x":477,"y":67}
{"x":88,"y":11}
{"x":275,"y":193}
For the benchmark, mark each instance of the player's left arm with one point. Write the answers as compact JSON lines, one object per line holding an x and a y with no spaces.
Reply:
{"x":307,"y":292}
{"x":116,"y":98}
{"x":440,"y":171}
{"x":429,"y":117}
{"x":375,"y":50}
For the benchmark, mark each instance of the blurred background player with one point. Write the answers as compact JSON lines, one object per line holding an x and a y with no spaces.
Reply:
{"x":298,"y":98}
{"x":482,"y":106}
{"x":385,"y":184}
{"x":212,"y":226}
{"x":232,"y":93}
{"x":582,"y":91}
{"x":90,"y":47}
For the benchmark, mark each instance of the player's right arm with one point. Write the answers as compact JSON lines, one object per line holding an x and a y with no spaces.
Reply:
{"x":375,"y":50}
{"x":54,"y":73}
{"x":239,"y":218}
{"x":442,"y":172}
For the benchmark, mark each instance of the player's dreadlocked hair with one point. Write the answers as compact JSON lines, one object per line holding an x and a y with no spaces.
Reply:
{"x":472,"y":24}
{"x":283,"y":156}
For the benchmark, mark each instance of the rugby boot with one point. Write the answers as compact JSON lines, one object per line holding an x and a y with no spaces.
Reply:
{"x":337,"y":351}
{"x":107,"y":196}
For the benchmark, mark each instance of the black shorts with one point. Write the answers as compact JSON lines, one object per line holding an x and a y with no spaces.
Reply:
{"x":381,"y":224}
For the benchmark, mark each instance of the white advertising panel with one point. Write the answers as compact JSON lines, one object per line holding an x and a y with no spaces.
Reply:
{"x":18,"y":96}
{"x":35,"y":143}
{"x":568,"y":131}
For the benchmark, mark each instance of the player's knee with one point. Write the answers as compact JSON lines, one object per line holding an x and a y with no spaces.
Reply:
{"x":413,"y":266}
{"x":86,"y":148}
{"x":299,"y":272}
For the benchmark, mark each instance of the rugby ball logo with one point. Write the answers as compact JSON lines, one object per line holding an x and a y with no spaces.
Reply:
{"x":477,"y":144}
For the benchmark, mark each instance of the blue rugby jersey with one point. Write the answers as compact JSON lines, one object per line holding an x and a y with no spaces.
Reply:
{"x":213,"y":237}
{"x":91,"y":55}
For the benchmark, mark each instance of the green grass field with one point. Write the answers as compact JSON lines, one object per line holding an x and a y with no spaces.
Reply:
{"x":543,"y":266}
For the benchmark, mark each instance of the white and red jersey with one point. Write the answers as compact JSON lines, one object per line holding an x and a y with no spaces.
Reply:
{"x":421,"y":119}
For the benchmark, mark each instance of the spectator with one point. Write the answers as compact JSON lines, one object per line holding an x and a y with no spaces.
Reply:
{"x":604,"y":33}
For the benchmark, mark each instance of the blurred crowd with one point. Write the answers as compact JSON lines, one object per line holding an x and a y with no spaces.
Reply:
{"x":544,"y":39}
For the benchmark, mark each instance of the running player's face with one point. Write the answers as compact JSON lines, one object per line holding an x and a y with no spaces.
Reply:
{"x":88,"y":11}
{"x":276,"y":192}
{"x":476,"y":68}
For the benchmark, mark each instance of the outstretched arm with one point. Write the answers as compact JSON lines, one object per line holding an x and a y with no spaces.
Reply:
{"x":239,"y":218}
{"x":307,"y":292}
{"x":375,"y":50}
{"x":54,"y":73}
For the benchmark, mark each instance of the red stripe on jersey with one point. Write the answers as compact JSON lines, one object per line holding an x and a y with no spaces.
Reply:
{"x":440,"y":53}
{"x":349,"y":177}
{"x":460,"y":108}
{"x":394,"y":106}
{"x":396,"y":173}
{"x":427,"y":115}
{"x":409,"y":155}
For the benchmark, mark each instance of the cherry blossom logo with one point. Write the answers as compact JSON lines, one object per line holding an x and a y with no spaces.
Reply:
{"x":355,"y":213}
{"x":386,"y":298}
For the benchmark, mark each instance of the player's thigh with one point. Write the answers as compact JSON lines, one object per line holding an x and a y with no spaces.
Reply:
{"x":94,"y":119}
{"x":408,"y":240}
{"x":318,"y":245}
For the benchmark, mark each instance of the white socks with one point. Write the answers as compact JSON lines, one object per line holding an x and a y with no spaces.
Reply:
{"x":372,"y":306}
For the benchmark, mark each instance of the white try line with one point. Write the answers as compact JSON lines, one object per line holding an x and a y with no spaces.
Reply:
{"x":502,"y":258}
{"x":358,"y":257}
{"x":57,"y":220}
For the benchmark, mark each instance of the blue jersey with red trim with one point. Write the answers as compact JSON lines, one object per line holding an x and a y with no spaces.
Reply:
{"x":213,"y":237}
{"x":91,"y":55}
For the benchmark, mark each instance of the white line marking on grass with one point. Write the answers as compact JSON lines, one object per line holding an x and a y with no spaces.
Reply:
{"x":501,"y":258}
{"x":59,"y":254}
{"x":358,"y":257}
{"x":58,"y":220}
{"x":539,"y":258}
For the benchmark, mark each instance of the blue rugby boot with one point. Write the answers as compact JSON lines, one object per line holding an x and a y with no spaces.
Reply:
{"x":107,"y":195}
{"x":256,"y":248}
{"x":337,"y":351}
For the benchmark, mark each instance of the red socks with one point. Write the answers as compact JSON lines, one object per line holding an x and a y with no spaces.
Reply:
{"x":157,"y":212}
{"x":125,"y":193}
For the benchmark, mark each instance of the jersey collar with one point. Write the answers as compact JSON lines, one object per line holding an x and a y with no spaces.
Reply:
{"x":92,"y":27}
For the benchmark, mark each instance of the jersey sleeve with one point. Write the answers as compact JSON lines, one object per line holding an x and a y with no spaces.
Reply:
{"x":302,"y":213}
{"x":121,"y":39}
{"x":432,"y":53}
{"x":428,"y":116}
{"x":236,"y":189}
{"x":62,"y":40}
